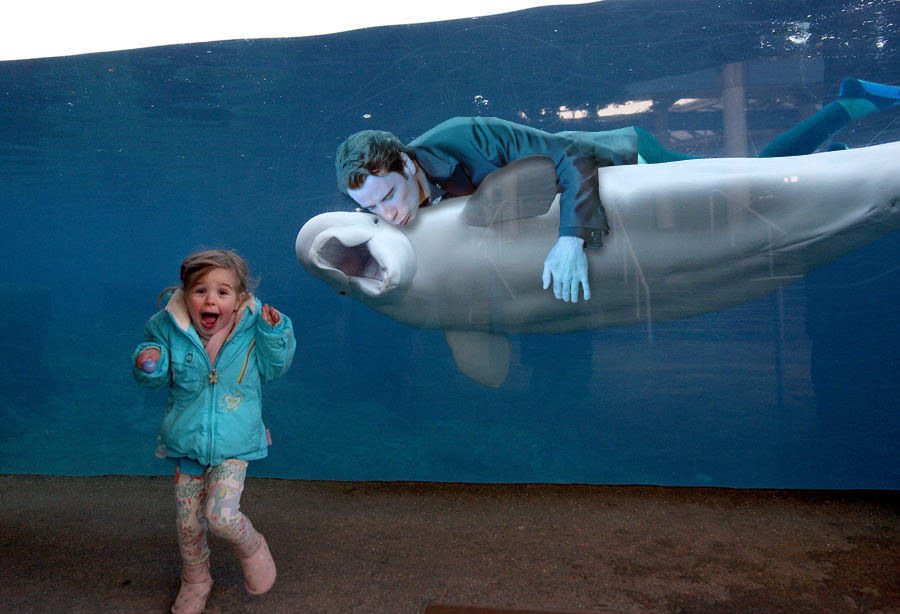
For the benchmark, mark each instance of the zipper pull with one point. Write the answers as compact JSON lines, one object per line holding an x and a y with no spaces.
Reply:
{"x":213,"y":377}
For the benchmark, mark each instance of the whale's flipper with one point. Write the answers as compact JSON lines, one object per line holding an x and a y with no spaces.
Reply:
{"x":484,"y":357}
{"x":523,"y":188}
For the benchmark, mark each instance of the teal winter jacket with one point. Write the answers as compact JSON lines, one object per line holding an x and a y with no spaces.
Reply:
{"x":214,"y":411}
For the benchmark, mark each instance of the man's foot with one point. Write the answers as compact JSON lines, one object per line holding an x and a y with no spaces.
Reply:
{"x":880,"y":95}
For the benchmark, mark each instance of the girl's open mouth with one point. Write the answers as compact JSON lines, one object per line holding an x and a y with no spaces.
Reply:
{"x":208,"y":320}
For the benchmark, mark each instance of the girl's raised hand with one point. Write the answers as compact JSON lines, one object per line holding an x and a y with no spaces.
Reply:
{"x":271,"y":315}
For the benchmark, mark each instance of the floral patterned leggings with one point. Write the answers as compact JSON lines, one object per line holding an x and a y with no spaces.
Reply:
{"x":210,"y":501}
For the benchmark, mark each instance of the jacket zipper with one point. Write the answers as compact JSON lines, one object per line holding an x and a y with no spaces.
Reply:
{"x":213,"y":380}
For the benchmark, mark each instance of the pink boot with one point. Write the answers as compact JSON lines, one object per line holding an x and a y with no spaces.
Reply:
{"x":256,"y":563}
{"x":196,"y":583}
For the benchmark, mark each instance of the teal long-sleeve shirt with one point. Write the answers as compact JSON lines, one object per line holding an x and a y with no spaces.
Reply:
{"x":459,"y":153}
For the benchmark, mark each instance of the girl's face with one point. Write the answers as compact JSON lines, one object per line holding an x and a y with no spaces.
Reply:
{"x":213,"y":301}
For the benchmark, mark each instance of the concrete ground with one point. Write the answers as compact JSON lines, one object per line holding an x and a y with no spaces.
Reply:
{"x":107,"y":544}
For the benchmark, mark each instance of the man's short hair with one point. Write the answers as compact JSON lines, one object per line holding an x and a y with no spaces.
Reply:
{"x":369,"y":152}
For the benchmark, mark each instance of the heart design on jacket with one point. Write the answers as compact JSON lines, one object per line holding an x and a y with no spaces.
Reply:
{"x":231,"y":402}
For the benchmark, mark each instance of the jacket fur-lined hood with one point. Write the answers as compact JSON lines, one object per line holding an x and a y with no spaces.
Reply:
{"x":177,"y":308}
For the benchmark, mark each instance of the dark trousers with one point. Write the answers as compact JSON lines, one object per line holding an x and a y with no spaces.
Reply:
{"x":802,"y":139}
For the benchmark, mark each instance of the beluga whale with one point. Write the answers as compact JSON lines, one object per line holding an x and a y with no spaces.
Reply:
{"x":686,"y":238}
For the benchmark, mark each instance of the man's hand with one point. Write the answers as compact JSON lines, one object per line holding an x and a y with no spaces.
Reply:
{"x":567,"y":265}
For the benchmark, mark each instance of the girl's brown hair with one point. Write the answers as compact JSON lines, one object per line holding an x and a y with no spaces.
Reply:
{"x":199,"y":263}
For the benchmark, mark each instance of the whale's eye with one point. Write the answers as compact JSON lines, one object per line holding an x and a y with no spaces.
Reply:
{"x":375,"y":221}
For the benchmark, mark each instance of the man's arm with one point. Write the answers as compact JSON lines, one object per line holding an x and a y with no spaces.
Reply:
{"x":582,"y":216}
{"x":481,"y":145}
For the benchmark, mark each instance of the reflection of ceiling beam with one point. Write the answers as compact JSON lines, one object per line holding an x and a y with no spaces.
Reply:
{"x":755,"y":119}
{"x":770,"y":84}
{"x":686,"y":105}
{"x":686,"y":135}
{"x":786,"y":72}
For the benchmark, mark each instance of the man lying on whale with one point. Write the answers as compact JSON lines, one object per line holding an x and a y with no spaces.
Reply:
{"x":394,"y":180}
{"x":687,"y":238}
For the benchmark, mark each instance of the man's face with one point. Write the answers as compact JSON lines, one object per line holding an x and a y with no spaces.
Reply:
{"x":395,"y":197}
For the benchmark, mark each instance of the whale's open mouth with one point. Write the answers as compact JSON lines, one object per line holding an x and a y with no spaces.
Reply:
{"x":355,"y":255}
{"x":362,"y":267}
{"x":353,"y":261}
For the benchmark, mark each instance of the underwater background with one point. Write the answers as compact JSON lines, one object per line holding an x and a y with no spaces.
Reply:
{"x":114,"y":166}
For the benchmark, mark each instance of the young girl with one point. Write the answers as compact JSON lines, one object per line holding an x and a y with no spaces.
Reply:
{"x":213,"y":345}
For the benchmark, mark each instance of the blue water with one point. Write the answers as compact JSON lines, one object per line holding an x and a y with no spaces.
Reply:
{"x":115,"y":166}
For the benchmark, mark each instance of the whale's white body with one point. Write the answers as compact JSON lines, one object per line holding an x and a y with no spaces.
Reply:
{"x":686,"y":238}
